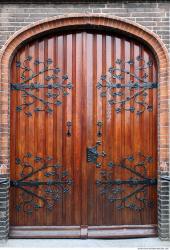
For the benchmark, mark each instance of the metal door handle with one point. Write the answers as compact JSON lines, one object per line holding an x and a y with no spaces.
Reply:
{"x":69,"y":125}
{"x":93,"y":154}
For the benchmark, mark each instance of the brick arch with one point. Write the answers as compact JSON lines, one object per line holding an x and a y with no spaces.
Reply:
{"x":100,"y":21}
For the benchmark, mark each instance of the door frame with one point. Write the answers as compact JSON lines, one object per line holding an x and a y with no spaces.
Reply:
{"x":93,"y":21}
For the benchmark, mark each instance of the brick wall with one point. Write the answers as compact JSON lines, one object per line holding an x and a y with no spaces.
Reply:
{"x":154,"y":15}
{"x":4,"y":204}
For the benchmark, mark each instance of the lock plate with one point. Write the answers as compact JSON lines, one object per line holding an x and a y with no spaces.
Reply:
{"x":93,"y":154}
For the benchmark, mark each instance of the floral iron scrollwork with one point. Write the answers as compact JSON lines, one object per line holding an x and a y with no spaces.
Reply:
{"x":129,"y":193}
{"x":35,"y":193}
{"x":137,"y":87}
{"x":57,"y":85}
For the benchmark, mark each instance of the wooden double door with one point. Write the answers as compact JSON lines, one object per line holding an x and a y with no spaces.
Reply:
{"x":83,"y":137}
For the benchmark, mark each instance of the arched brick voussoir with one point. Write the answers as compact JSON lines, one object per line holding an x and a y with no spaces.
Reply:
{"x":116,"y":23}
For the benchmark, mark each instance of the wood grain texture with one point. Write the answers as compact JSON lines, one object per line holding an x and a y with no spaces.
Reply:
{"x":84,"y":56}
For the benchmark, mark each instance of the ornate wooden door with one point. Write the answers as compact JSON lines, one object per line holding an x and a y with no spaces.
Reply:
{"x":83,"y":137}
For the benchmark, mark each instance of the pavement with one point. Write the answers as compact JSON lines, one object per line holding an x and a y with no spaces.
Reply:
{"x":90,"y":243}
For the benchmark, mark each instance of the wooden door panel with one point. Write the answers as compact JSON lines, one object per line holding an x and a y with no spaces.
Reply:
{"x":128,"y":133}
{"x":42,"y":131}
{"x":70,"y":91}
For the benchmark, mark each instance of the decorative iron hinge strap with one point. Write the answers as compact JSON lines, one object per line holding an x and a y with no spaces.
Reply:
{"x":131,"y":182}
{"x":38,"y":183}
{"x":146,"y":85}
{"x":44,"y":192}
{"x":20,"y":86}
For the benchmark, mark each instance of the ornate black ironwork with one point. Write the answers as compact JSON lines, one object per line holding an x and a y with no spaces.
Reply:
{"x":56,"y":86}
{"x":93,"y":154}
{"x":36,"y":193}
{"x":137,"y":87}
{"x":99,"y":125}
{"x":132,"y":192}
{"x":69,"y":125}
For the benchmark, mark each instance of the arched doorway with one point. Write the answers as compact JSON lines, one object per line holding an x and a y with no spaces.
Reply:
{"x":84,"y":135}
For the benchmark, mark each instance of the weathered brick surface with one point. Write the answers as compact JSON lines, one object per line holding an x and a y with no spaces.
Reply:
{"x":153,"y":15}
{"x":4,"y":204}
